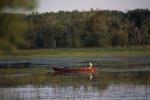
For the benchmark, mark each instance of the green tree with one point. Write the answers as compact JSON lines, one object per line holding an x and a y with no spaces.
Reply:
{"x":88,"y":29}
{"x":12,"y":26}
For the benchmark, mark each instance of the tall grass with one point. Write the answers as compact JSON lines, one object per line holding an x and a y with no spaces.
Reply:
{"x":133,"y":51}
{"x":17,"y":71}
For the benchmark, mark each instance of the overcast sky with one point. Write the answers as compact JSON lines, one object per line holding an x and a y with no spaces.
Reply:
{"x":69,"y":5}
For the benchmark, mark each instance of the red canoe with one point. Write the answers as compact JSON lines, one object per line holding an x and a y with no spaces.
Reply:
{"x":81,"y":69}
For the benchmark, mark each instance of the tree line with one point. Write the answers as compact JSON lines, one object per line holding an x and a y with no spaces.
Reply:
{"x":94,"y":28}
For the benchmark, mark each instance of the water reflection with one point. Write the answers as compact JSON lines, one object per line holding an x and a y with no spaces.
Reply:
{"x":98,"y":61}
{"x":77,"y":86}
{"x":118,"y":78}
{"x":76,"y":74}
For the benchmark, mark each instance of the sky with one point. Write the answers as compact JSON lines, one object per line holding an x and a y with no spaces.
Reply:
{"x":69,"y":5}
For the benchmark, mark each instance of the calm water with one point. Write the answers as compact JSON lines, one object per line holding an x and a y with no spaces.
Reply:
{"x":118,"y":78}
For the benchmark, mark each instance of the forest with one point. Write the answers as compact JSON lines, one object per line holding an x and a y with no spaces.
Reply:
{"x":78,"y":29}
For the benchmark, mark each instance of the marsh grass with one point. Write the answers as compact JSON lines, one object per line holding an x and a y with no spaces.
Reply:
{"x":81,"y":52}
{"x":20,"y":71}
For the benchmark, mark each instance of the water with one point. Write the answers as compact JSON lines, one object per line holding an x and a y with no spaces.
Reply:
{"x":118,"y":78}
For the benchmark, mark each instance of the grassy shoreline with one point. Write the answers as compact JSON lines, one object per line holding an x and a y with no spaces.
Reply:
{"x":18,"y":71}
{"x":71,"y":52}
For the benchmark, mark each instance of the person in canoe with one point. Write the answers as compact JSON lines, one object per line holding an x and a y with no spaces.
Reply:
{"x":90,"y":65}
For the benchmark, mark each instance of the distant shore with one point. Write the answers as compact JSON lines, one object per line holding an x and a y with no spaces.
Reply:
{"x":83,"y":52}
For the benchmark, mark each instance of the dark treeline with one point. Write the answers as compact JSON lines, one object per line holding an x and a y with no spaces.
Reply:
{"x":88,"y":29}
{"x":94,"y":28}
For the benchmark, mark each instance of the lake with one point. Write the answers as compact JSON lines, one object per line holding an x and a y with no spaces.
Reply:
{"x":117,"y":78}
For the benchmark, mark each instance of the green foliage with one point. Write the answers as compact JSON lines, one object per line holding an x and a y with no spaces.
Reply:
{"x":75,"y":29}
{"x":11,"y":31}
{"x":15,"y":4}
{"x":12,"y":26}
{"x":89,"y":29}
